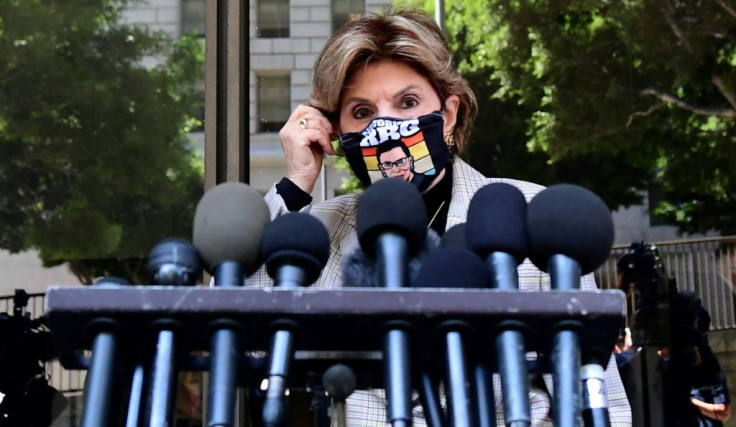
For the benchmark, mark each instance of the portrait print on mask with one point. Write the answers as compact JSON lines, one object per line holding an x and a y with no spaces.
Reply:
{"x":411,"y":149}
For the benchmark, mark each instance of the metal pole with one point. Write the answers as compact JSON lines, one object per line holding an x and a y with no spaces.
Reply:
{"x":439,"y":14}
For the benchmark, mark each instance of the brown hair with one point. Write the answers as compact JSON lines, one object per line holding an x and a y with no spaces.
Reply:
{"x":406,"y":35}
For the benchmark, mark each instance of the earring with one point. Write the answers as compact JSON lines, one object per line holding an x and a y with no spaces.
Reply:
{"x":449,"y":139}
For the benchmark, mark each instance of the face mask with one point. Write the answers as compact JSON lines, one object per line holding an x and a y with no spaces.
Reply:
{"x":412,"y":149}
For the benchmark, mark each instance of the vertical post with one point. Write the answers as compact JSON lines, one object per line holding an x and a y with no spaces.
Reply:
{"x":226,"y":115}
{"x":439,"y":14}
{"x":226,"y":78}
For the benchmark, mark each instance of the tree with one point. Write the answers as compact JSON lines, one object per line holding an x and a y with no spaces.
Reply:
{"x":95,"y":164}
{"x":615,"y":96}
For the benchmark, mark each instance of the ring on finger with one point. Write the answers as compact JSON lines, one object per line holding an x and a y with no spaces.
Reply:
{"x":304,"y":122}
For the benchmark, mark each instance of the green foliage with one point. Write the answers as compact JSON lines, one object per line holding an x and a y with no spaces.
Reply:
{"x":612,"y":95}
{"x":350,"y":184}
{"x":95,"y":163}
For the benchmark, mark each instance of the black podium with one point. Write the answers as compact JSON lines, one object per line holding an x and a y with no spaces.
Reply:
{"x":343,"y":325}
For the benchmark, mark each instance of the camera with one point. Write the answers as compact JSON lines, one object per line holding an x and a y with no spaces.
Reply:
{"x":663,"y":315}
{"x":25,"y":346}
{"x":668,"y":327}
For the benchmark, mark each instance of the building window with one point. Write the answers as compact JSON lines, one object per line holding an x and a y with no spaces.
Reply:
{"x":273,"y":19}
{"x":274,"y":101}
{"x":346,"y":10}
{"x":193,"y":16}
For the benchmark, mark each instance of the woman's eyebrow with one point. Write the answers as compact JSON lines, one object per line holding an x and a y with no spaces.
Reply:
{"x":404,"y":90}
{"x":398,"y":94}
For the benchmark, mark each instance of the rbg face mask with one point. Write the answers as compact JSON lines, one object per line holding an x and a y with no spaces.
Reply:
{"x":412,"y":149}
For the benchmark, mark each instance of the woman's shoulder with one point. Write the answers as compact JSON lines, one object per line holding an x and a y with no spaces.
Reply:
{"x":529,"y":189}
{"x":343,"y":206}
{"x":473,"y":180}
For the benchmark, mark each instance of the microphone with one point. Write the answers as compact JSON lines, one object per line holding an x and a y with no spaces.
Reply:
{"x":496,"y":230}
{"x":360,"y":271}
{"x":455,"y":236}
{"x":228,"y":225}
{"x":455,"y":267}
{"x":391,"y":226}
{"x":570,"y":234}
{"x":172,"y":262}
{"x":295,"y":247}
{"x":339,"y":381}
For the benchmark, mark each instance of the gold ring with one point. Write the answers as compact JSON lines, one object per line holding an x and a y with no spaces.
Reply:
{"x":304,"y":122}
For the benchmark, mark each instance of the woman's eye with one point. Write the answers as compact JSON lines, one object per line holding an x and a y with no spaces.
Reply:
{"x":361,"y":113}
{"x":409,"y":102}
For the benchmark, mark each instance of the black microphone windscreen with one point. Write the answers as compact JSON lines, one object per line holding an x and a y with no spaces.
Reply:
{"x":361,"y":271}
{"x":567,"y":219}
{"x":297,"y":238}
{"x":174,"y":250}
{"x":174,"y":261}
{"x":391,"y":205}
{"x":455,"y":236}
{"x":452,"y":267}
{"x":497,"y":221}
{"x":228,"y":225}
{"x":339,"y":381}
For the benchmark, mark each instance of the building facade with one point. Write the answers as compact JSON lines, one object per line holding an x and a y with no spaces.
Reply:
{"x":285,"y":37}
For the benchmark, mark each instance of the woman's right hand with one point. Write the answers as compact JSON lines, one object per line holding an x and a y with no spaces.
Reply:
{"x":305,"y":139}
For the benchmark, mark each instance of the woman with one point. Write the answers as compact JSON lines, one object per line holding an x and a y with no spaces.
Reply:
{"x":379,"y":79}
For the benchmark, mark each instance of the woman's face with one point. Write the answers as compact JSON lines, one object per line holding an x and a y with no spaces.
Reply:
{"x":395,"y":163}
{"x":390,"y":89}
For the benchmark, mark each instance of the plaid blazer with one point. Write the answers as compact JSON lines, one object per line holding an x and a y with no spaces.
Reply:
{"x":367,"y":407}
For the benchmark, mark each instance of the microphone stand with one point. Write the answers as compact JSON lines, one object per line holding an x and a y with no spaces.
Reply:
{"x":99,"y":381}
{"x":565,"y":348}
{"x":164,"y":376}
{"x":274,"y":411}
{"x":459,"y":380}
{"x":510,"y":347}
{"x":428,"y":386}
{"x":595,"y":401}
{"x":484,"y":394}
{"x":98,"y":387}
{"x":135,"y":410}
{"x":173,"y":262}
{"x":391,"y":252}
{"x":224,"y":352}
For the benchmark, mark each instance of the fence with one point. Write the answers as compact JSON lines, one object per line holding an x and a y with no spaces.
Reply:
{"x":705,"y":266}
